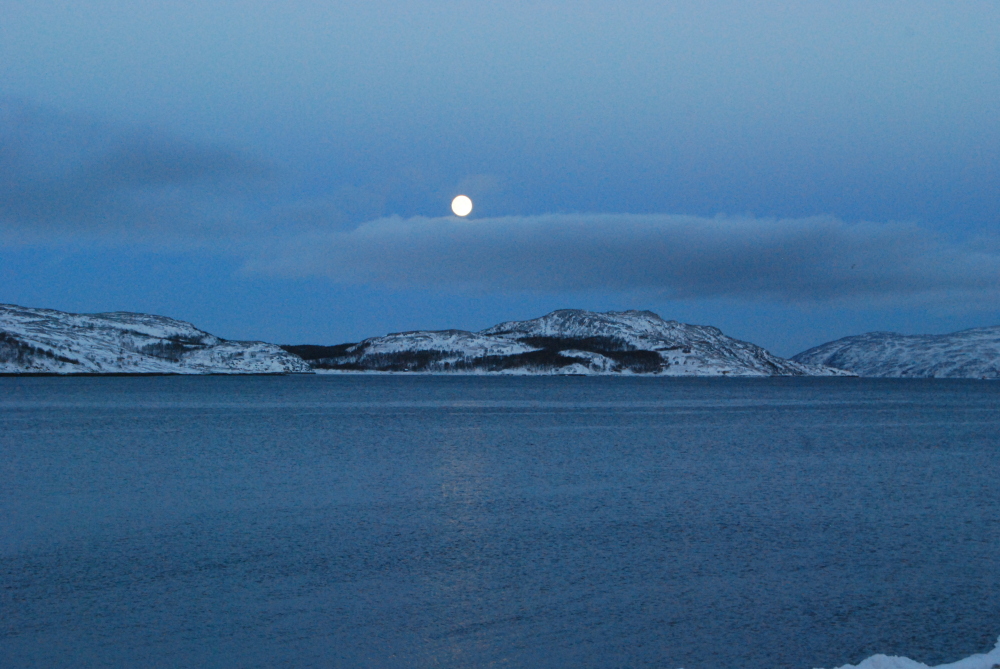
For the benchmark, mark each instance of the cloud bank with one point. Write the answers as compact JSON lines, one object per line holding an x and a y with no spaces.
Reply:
{"x":819,"y":258}
{"x":66,"y":179}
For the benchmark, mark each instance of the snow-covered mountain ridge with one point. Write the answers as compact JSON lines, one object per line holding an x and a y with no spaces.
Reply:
{"x":49,"y":341}
{"x":969,"y":354}
{"x":568,"y":341}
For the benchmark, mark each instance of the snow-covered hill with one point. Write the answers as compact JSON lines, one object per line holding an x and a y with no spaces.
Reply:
{"x":567,"y":341}
{"x":969,"y":354}
{"x":47,"y":341}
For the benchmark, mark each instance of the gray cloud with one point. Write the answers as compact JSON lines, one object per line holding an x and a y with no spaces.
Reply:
{"x":71,"y":176}
{"x":820,"y":258}
{"x":66,"y":178}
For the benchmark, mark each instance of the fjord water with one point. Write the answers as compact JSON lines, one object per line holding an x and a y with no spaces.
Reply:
{"x":393,"y":521}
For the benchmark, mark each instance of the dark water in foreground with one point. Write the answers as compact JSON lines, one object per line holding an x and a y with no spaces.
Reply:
{"x":469,"y":522}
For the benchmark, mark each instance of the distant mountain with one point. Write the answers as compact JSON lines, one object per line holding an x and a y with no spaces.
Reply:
{"x":567,"y":341}
{"x":969,"y":354}
{"x":47,"y":341}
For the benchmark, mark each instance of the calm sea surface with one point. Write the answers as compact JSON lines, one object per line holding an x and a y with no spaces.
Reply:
{"x":378,"y":521}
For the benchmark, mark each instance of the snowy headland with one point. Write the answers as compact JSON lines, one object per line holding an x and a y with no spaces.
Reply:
{"x":44,"y":341}
{"x":969,"y":354}
{"x":568,"y":341}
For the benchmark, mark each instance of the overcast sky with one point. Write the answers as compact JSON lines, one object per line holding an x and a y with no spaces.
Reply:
{"x":789,"y":172}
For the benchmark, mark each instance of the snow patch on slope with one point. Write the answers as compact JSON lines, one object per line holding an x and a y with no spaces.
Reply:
{"x":458,"y":342}
{"x":687,"y":350}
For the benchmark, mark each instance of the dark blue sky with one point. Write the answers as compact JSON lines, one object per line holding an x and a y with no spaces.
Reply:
{"x":789,"y":172}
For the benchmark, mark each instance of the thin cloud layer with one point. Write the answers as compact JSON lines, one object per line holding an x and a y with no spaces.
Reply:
{"x":67,"y":176}
{"x":818,"y":258}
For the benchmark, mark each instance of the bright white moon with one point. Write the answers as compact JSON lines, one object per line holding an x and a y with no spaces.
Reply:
{"x":461,"y":205}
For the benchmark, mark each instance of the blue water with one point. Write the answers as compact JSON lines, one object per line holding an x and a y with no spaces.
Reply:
{"x":472,"y":522}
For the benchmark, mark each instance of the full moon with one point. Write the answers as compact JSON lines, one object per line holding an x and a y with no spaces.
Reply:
{"x":461,"y":205}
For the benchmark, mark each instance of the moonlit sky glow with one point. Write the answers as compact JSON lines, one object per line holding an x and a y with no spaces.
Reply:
{"x":788,"y":172}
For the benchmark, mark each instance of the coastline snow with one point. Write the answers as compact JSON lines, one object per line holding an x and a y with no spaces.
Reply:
{"x":968,"y":354}
{"x":574,"y":342}
{"x":564,"y":342}
{"x":45,"y":341}
{"x":989,"y":660}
